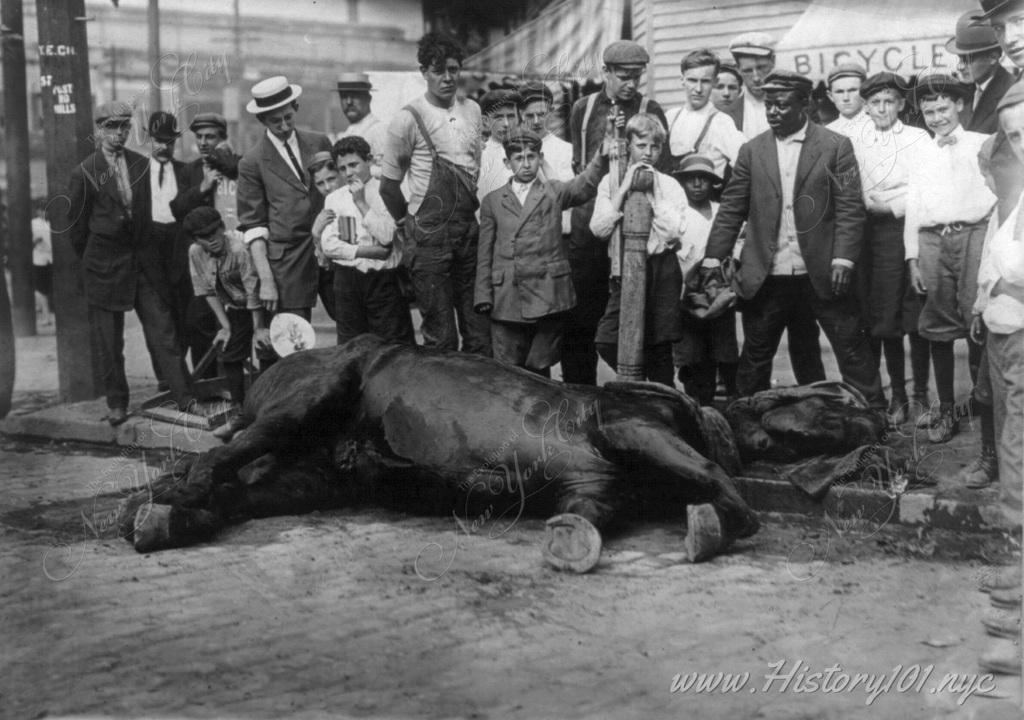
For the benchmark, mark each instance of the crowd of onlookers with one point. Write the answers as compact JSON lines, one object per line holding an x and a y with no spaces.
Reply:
{"x":894,"y":224}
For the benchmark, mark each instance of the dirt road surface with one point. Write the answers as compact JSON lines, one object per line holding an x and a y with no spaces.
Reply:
{"x":372,"y":613}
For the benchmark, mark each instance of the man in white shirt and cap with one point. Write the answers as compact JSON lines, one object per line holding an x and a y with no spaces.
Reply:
{"x":844,"y":82}
{"x":754,"y":53}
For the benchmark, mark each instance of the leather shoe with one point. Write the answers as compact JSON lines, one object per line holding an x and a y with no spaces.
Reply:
{"x":1000,"y":623}
{"x":1004,"y":578}
{"x":116,"y":416}
{"x":1002,"y":656}
{"x":982,"y":472}
{"x":944,"y":427}
{"x":897,"y":414}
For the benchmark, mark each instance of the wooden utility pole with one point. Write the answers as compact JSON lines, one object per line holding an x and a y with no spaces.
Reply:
{"x":6,"y":343}
{"x":19,"y":183}
{"x":637,"y":216}
{"x":67,"y":123}
{"x":153,"y":15}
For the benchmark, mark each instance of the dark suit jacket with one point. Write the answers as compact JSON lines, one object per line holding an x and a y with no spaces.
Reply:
{"x":111,"y":239}
{"x":522,"y":260}
{"x":828,"y":208}
{"x":984,"y":119}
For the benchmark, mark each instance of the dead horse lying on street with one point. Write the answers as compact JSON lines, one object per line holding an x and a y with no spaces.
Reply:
{"x":397,"y":418}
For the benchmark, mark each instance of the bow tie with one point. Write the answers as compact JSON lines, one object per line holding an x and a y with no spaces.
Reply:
{"x":948,"y":140}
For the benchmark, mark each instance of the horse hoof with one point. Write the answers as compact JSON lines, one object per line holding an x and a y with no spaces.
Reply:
{"x":571,"y":543}
{"x":704,"y":535}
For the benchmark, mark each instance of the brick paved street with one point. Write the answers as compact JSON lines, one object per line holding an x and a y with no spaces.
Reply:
{"x":352,"y":614}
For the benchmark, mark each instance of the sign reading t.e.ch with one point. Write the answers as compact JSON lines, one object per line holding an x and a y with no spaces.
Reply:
{"x":907,"y":57}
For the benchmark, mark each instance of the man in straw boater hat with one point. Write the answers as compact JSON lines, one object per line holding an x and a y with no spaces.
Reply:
{"x":122,"y":269}
{"x":277,"y":200}
{"x":797,"y":254}
{"x":354,"y":91}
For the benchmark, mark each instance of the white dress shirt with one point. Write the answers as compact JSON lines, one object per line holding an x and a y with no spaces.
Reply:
{"x":521,"y":190}
{"x":668,"y":201}
{"x":493,"y":171}
{"x":377,"y":227}
{"x":721,"y":142}
{"x":852,"y":127}
{"x":161,"y":195}
{"x":694,"y":239}
{"x":788,"y":260}
{"x":558,"y":166}
{"x":1001,"y":275}
{"x":755,"y":120}
{"x":885,"y":161}
{"x":946,"y":186}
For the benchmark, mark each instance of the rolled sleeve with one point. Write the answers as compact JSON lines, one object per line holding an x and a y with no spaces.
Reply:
{"x":203,"y":272}
{"x":605,"y":217}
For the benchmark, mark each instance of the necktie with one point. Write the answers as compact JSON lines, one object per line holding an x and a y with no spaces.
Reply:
{"x":948,"y":140}
{"x":124,"y":186}
{"x":295,"y":163}
{"x":160,"y":178}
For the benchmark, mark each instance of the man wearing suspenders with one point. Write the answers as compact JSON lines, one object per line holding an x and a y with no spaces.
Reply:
{"x":624,"y":65}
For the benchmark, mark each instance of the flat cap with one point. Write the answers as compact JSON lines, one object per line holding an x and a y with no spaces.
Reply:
{"x":787,"y":80}
{"x":209,"y":119}
{"x":625,"y":52}
{"x":524,"y":138}
{"x":202,"y":221}
{"x":1013,"y":96}
{"x":760,"y":44}
{"x":113,"y":112}
{"x":971,"y":36}
{"x":534,"y":91}
{"x":319,"y":158}
{"x":843,"y":70}
{"x":883,"y":81}
{"x":938,"y":84}
{"x":494,"y":99}
{"x":697,"y":164}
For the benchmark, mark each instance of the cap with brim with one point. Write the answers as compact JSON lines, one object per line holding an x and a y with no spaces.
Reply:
{"x":939,"y":84}
{"x":535,"y":92}
{"x":354,"y":82}
{"x":626,"y":54}
{"x":319,"y":157}
{"x":202,"y":222}
{"x":787,"y":81}
{"x":495,"y":99}
{"x":272,"y":93}
{"x":113,"y":113}
{"x":844,"y":70}
{"x":524,"y":138}
{"x":971,"y":36}
{"x":1013,"y":96}
{"x":695,"y":164}
{"x":758,"y":44}
{"x":991,"y":8}
{"x":883,"y":81}
{"x":209,"y":120}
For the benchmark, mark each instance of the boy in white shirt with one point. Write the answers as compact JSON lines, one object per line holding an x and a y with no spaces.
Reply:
{"x":360,"y":243}
{"x":948,"y":205}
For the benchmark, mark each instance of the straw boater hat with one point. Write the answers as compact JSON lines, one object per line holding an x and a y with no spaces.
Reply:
{"x":272,"y":93}
{"x":354,"y":82}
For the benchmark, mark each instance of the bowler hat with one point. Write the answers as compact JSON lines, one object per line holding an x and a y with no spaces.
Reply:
{"x":991,"y":8}
{"x":354,"y":82}
{"x":971,"y":37}
{"x":938,"y":84}
{"x":787,"y":80}
{"x":163,"y":127}
{"x":625,"y":53}
{"x":113,"y":113}
{"x":883,"y":81}
{"x":272,"y":93}
{"x":209,"y":119}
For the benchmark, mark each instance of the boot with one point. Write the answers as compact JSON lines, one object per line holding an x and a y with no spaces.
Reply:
{"x":898,"y":406}
{"x":943,"y":426}
{"x":982,"y":472}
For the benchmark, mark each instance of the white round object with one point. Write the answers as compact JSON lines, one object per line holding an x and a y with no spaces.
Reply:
{"x":291,"y":333}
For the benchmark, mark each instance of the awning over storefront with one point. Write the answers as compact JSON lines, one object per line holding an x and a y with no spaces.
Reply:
{"x":563,"y":43}
{"x":907,"y":37}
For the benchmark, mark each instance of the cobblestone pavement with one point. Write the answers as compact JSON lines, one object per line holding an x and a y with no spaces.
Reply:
{"x":372,"y":613}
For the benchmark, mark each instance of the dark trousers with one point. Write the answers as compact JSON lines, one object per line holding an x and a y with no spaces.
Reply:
{"x":804,"y":347}
{"x":107,"y":327}
{"x":325,"y":289}
{"x":579,"y":353}
{"x":370,"y":302}
{"x":443,"y":273}
{"x":765,"y":317}
{"x":657,"y":361}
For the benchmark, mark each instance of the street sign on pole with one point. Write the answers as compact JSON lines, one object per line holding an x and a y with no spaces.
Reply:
{"x":67,"y":123}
